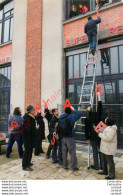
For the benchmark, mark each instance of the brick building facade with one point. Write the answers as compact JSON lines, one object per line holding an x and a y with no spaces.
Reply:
{"x":33,"y":53}
{"x":47,"y":47}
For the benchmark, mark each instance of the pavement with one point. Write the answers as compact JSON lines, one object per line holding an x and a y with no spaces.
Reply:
{"x":43,"y":169}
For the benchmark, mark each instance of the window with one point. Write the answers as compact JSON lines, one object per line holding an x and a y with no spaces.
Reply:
{"x":121,"y":91}
{"x":82,"y":63}
{"x":114,"y":60}
{"x":76,"y":66}
{"x":109,"y":62}
{"x":71,"y":93}
{"x":74,"y":8}
{"x":70,"y":67}
{"x":6,"y":23}
{"x":105,"y":61}
{"x":5,"y":82}
{"x":121,"y":58}
{"x":5,"y":77}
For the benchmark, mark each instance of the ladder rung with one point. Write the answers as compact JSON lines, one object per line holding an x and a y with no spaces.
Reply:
{"x":86,"y":89}
{"x":80,"y":133}
{"x":83,"y":117}
{"x":90,"y":69}
{"x":89,"y":75}
{"x":80,"y":125}
{"x":86,"y":95}
{"x":91,"y":63}
{"x":88,"y":81}
{"x":85,"y":102}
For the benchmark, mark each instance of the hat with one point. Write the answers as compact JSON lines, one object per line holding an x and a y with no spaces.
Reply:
{"x":30,"y":108}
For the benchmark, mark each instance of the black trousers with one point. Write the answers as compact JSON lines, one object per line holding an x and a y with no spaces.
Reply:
{"x":96,"y":154}
{"x":27,"y":155}
{"x":50,"y":147}
{"x":108,"y":165}
{"x":38,"y":146}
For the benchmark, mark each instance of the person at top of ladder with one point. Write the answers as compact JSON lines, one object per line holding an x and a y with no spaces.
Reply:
{"x":91,"y":31}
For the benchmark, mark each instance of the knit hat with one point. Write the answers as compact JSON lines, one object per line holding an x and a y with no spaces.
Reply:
{"x":30,"y":108}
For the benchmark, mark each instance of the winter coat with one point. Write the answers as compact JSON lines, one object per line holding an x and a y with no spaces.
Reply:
{"x":53,"y":127}
{"x":41,"y":131}
{"x":29,"y":130}
{"x":109,"y":140}
{"x":48,"y":116}
{"x":72,"y":118}
{"x":19,"y":120}
{"x":91,"y":122}
{"x":53,"y":124}
{"x":91,"y":26}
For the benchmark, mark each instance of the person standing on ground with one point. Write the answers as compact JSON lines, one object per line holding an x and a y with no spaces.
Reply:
{"x":56,"y":139}
{"x":108,"y":148}
{"x":40,"y":134}
{"x":91,"y":121}
{"x":48,"y":116}
{"x":91,"y":31}
{"x":14,"y":135}
{"x":29,"y":132}
{"x":66,"y":129}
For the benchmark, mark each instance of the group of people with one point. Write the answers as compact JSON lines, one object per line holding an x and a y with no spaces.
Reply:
{"x":82,"y":9}
{"x":62,"y":137}
{"x":104,"y":143}
{"x":74,"y":11}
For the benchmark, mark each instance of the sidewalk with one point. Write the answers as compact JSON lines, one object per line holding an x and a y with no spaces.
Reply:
{"x":11,"y":169}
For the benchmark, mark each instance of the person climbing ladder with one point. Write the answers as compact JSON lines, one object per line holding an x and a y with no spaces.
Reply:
{"x":91,"y":31}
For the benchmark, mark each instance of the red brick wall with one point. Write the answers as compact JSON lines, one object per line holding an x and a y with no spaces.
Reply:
{"x":6,"y":50}
{"x":33,"y":53}
{"x":110,"y":17}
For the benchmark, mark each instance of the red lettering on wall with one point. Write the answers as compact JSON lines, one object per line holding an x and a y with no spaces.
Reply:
{"x":67,"y":43}
{"x":73,"y":42}
{"x":78,"y":39}
{"x":119,"y":29}
{"x":112,"y":30}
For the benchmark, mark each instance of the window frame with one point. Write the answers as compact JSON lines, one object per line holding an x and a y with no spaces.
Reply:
{"x":4,"y":19}
{"x":92,"y":8}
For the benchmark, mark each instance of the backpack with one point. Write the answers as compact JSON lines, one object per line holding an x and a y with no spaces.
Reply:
{"x":64,"y":127}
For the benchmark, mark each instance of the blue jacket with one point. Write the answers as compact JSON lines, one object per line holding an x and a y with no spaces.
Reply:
{"x":91,"y":26}
{"x":72,"y":118}
{"x":19,"y":120}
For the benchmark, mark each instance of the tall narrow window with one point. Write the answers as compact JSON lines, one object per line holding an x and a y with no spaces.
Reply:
{"x":6,"y":23}
{"x":70,"y":67}
{"x":114,"y":60}
{"x":121,"y":58}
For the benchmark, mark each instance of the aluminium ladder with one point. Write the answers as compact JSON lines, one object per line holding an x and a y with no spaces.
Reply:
{"x":87,"y":93}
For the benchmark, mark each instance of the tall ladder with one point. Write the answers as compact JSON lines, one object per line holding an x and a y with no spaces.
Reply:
{"x":87,"y":93}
